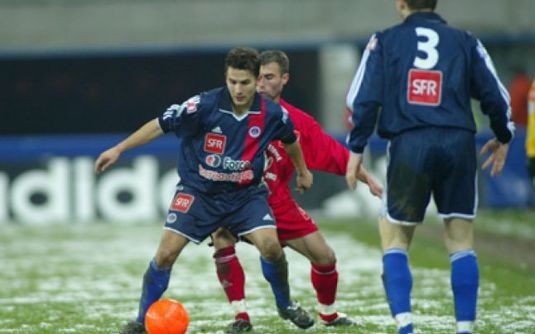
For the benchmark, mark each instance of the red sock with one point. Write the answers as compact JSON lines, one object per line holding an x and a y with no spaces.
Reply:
{"x":325,"y":282}
{"x":232,"y":278}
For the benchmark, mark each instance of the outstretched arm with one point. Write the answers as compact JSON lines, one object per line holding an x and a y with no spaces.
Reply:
{"x":304,"y":177}
{"x":148,"y":132}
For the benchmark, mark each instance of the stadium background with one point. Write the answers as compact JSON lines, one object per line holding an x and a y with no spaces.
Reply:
{"x":77,"y":76}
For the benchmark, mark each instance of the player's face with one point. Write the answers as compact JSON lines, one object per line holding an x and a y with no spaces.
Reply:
{"x":242,"y":86}
{"x":271,"y":82}
{"x":402,"y":8}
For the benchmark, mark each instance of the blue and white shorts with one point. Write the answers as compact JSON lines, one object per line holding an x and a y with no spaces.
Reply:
{"x":437,"y":161}
{"x":195,"y":215}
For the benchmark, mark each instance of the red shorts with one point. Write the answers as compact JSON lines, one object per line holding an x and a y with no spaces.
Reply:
{"x":292,"y":221}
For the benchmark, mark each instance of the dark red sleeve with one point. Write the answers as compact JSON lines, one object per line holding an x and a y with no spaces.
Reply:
{"x":322,"y":152}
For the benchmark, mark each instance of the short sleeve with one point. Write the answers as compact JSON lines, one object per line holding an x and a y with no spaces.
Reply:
{"x":182,"y":118}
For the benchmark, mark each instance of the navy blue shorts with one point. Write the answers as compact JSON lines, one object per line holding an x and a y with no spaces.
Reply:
{"x":437,"y":161}
{"x":195,"y":215}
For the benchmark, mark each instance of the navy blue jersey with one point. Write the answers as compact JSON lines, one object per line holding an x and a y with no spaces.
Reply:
{"x":423,"y":73}
{"x":219,"y":150}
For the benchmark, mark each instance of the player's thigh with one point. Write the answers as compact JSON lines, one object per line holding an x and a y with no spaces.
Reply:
{"x":458,"y":234}
{"x":408,"y":187}
{"x":266,"y":241}
{"x":455,"y":181}
{"x":171,"y":244}
{"x":314,"y":247}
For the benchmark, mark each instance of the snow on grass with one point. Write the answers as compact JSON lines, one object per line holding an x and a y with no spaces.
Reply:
{"x":86,"y":279}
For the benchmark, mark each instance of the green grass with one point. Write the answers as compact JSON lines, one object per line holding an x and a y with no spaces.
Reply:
{"x":86,"y":279}
{"x":505,"y":269}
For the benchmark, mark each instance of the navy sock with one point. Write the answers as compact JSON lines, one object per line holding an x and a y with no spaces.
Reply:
{"x":397,"y":281}
{"x":276,"y":273}
{"x":155,"y":282}
{"x":465,"y":285}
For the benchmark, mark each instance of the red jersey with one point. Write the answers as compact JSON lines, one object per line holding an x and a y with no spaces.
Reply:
{"x":321,"y":152}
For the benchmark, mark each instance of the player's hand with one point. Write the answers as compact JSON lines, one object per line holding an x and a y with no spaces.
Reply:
{"x":353,"y":169}
{"x":106,"y":159}
{"x":497,"y":157}
{"x":376,"y":189}
{"x":304,"y":181}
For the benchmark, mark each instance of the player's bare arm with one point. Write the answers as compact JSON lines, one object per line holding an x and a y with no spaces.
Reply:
{"x":304,"y":176}
{"x":497,"y":157}
{"x":148,"y":132}
{"x":376,"y":189}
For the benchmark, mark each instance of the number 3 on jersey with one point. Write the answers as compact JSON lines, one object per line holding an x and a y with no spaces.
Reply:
{"x":425,"y":86}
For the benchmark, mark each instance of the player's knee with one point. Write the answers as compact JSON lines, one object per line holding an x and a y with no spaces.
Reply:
{"x":270,"y":249}
{"x":325,"y":257}
{"x":458,"y":235}
{"x":165,"y":258}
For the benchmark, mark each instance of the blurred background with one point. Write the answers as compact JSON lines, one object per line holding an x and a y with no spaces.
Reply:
{"x":76,"y":76}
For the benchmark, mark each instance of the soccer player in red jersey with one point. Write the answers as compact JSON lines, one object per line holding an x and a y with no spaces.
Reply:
{"x":295,"y":228}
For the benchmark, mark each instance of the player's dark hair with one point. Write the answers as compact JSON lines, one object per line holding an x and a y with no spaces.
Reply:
{"x":422,"y":4}
{"x":243,"y":58}
{"x":276,"y":56}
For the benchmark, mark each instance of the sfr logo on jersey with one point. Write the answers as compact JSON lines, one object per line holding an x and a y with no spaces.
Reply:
{"x":215,"y":143}
{"x":425,"y":87}
{"x":182,"y":202}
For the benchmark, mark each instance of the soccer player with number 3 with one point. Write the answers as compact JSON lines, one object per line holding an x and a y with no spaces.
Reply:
{"x":423,"y":74}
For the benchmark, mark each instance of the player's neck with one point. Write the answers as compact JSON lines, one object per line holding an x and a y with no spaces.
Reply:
{"x":408,"y":12}
{"x":241,"y":110}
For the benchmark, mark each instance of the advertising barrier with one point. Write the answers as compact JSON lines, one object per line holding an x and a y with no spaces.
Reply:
{"x":51,"y":179}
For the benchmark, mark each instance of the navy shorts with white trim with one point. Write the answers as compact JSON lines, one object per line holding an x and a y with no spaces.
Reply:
{"x":196,"y":215}
{"x":437,"y":161}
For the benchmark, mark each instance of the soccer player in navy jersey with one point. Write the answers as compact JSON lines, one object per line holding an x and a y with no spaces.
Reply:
{"x":423,"y":74}
{"x":224,"y":134}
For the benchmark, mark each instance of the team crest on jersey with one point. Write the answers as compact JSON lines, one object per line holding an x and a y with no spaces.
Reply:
{"x":182,"y":202}
{"x":213,"y":160}
{"x":171,"y":218}
{"x":215,"y":143}
{"x":191,"y":104}
{"x":424,"y":87}
{"x":255,"y":131}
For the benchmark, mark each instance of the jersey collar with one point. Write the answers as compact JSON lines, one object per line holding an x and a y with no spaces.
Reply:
{"x":425,"y":16}
{"x":225,"y":104}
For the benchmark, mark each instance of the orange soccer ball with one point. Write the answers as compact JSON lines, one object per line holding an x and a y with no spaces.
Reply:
{"x":166,"y":316}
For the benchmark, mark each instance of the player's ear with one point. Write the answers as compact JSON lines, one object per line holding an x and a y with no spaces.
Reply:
{"x":285,"y":77}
